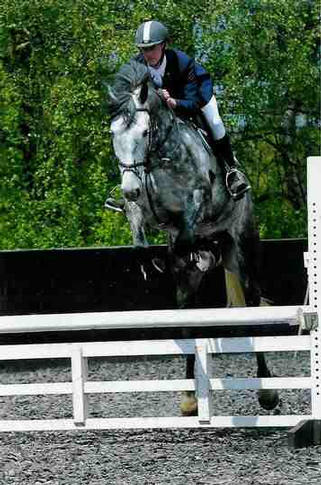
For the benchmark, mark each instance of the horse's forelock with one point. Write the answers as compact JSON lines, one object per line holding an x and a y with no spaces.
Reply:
{"x":130,"y":76}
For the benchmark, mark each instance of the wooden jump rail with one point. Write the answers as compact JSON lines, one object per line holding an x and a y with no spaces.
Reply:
{"x":307,"y":428}
{"x":211,"y":317}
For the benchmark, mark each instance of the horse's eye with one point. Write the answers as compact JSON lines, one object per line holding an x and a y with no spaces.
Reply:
{"x":145,"y":133}
{"x":111,"y":133}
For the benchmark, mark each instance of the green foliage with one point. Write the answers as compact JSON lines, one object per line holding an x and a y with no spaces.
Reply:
{"x":265,"y":56}
{"x":56,"y":159}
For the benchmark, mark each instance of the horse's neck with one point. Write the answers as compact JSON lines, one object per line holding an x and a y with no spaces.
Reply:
{"x":167,"y":130}
{"x":164,"y":118}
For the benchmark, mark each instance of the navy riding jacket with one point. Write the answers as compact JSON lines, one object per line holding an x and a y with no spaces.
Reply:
{"x":186,"y":81}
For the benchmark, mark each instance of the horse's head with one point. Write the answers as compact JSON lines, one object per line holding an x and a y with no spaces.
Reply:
{"x":131,"y":142}
{"x":131,"y":100}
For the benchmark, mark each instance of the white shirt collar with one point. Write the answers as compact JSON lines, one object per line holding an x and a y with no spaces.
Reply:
{"x":158,"y":72}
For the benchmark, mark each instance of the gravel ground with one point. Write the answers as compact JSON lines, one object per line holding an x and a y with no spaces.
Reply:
{"x":218,"y":457}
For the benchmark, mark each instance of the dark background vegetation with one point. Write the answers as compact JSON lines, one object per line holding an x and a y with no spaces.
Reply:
{"x":56,"y":159}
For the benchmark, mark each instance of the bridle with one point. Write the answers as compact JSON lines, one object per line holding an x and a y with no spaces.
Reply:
{"x":151,"y":148}
{"x":147,"y":163}
{"x":132,"y":167}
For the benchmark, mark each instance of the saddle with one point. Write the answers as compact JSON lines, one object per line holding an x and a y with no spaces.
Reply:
{"x":198,"y":123}
{"x":206,"y":139}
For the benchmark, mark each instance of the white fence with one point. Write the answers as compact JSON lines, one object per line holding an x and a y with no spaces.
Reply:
{"x":203,"y":384}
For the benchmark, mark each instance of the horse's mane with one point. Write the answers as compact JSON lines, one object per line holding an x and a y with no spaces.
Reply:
{"x":129,"y":77}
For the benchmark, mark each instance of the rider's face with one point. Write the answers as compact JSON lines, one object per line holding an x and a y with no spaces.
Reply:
{"x":153,"y":54}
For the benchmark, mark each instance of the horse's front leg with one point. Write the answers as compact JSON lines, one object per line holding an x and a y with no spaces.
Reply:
{"x":187,"y":220}
{"x":188,"y":278}
{"x":135,"y":218}
{"x":189,"y":402}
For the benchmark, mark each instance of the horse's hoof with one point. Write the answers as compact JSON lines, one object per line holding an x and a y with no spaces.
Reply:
{"x":189,"y":406}
{"x":204,"y":260}
{"x":268,"y":399}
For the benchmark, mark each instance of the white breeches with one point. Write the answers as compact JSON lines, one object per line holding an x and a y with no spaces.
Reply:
{"x":210,"y":111}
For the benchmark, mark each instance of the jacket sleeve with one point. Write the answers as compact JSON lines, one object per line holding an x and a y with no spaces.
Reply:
{"x":189,"y":103}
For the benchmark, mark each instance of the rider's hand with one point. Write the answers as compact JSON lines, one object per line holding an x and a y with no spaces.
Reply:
{"x":169,"y":100}
{"x":171,"y":103}
{"x":165,"y":94}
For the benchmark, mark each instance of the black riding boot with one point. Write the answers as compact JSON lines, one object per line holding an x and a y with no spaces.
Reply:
{"x":236,"y":182}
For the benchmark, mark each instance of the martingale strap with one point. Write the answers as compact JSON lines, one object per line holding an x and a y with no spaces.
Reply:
{"x":150,"y":199}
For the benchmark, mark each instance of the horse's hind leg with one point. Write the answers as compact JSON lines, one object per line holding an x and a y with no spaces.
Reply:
{"x":268,"y":398}
{"x":243,"y":260}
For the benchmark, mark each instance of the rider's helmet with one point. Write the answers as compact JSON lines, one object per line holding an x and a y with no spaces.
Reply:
{"x":151,"y":33}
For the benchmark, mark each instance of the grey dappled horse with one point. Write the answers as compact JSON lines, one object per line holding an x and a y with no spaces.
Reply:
{"x":171,"y":181}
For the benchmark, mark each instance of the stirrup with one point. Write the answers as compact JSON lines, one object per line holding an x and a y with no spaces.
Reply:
{"x":114,"y":205}
{"x":244,"y":187}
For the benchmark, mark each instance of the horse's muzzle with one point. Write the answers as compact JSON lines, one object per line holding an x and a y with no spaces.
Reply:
{"x":131,"y":186}
{"x":132,"y":195}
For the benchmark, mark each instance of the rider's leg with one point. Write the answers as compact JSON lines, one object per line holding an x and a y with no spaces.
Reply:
{"x":236,"y":182}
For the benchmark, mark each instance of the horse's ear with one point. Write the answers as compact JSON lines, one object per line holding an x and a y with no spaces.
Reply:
{"x":143,"y":92}
{"x":110,"y":93}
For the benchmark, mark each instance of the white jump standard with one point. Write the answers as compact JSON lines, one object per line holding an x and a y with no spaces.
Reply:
{"x":307,"y":428}
{"x":309,"y":432}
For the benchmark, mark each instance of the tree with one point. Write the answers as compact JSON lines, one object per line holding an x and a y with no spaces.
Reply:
{"x":265,"y":55}
{"x":56,"y":57}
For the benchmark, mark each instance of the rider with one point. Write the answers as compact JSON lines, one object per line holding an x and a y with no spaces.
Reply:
{"x":188,"y":90}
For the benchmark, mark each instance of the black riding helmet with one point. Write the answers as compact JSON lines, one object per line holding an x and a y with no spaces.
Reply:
{"x":151,"y":33}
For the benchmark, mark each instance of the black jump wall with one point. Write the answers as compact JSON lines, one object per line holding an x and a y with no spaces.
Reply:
{"x":110,"y":279}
